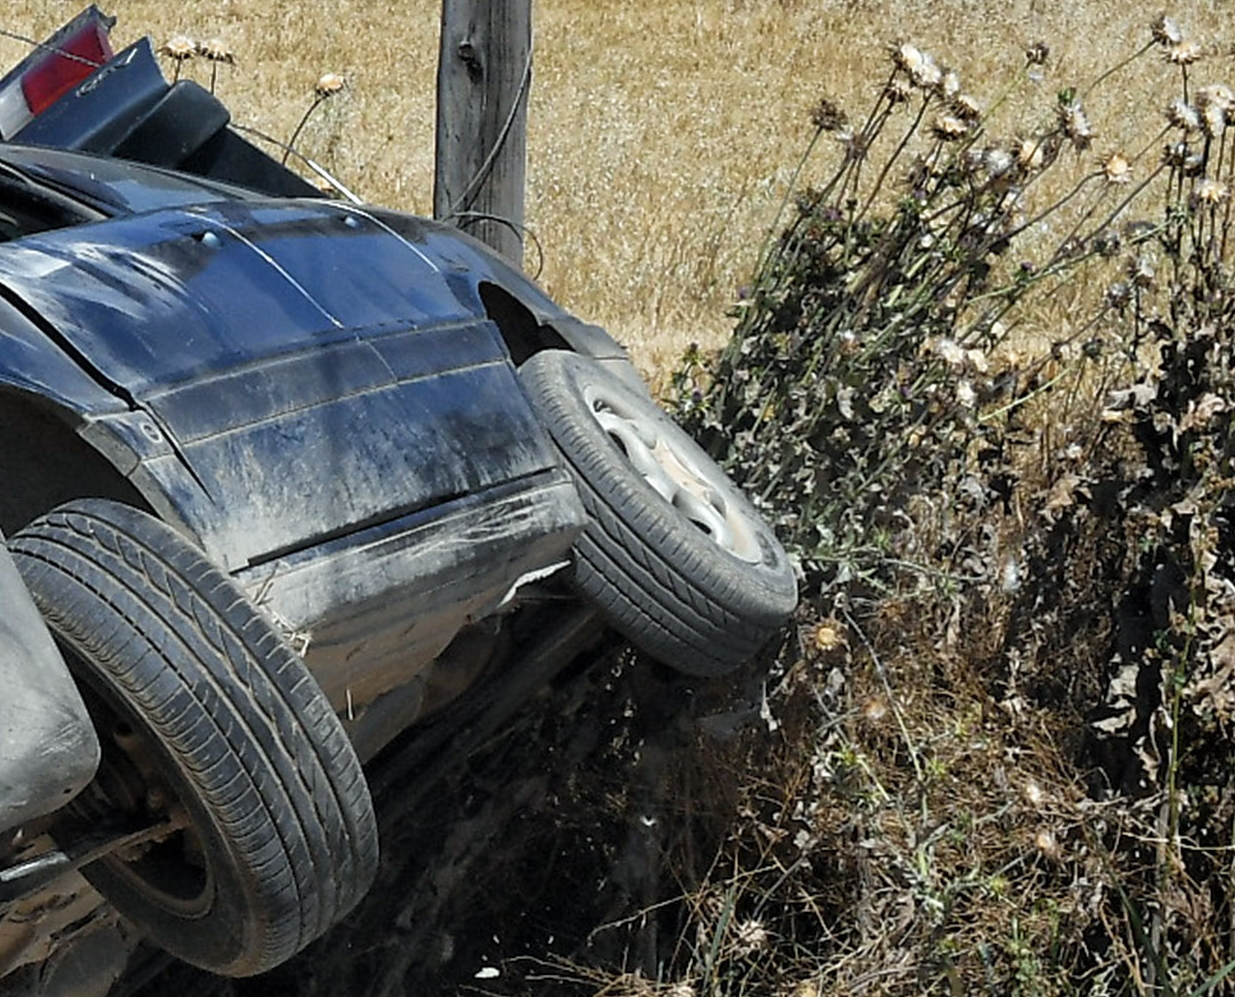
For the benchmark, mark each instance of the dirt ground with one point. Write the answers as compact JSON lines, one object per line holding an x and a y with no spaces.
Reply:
{"x":533,"y":858}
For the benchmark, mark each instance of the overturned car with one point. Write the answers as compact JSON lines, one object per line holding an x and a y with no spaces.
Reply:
{"x":281,"y":475}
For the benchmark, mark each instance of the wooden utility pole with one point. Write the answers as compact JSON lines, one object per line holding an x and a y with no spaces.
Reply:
{"x":483,"y":78}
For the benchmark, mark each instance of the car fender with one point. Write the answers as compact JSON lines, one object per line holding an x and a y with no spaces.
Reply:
{"x":32,"y":362}
{"x":471,"y":266}
{"x":41,"y":373}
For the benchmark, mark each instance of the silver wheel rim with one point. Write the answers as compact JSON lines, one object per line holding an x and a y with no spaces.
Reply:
{"x":699,"y":492}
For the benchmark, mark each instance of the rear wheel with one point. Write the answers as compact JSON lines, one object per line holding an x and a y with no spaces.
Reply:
{"x":674,"y":554}
{"x":211,"y":725}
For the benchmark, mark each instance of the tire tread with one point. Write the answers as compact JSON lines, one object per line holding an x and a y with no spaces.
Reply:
{"x":230,"y":701}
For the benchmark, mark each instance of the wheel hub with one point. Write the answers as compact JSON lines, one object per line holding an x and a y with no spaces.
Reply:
{"x":670,"y":472}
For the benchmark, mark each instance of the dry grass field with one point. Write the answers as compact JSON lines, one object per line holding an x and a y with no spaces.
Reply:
{"x":663,"y":134}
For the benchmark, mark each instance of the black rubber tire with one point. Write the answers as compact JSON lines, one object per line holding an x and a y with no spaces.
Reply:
{"x":173,"y":653}
{"x":671,"y":588}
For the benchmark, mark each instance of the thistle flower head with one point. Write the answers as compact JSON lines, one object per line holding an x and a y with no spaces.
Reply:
{"x":920,"y":67}
{"x":1030,"y":154}
{"x":949,"y":350}
{"x":1165,"y":31}
{"x":1076,"y":125}
{"x":328,"y":84}
{"x":908,"y":57}
{"x":874,"y":709}
{"x":1141,"y":271}
{"x":949,"y":128}
{"x":997,"y":162}
{"x":1215,"y":95}
{"x":750,"y":936}
{"x":1208,"y":193}
{"x":966,"y":107}
{"x":827,"y":116}
{"x":1175,"y":154}
{"x":1048,"y":845}
{"x":1189,"y":161}
{"x":179,"y":47}
{"x":1183,"y":115}
{"x":1181,"y":156}
{"x":1116,"y":169}
{"x":826,"y":636}
{"x":216,"y":50}
{"x":929,"y":76}
{"x":1119,"y":294}
{"x":1183,"y":53}
{"x":1213,"y":120}
{"x":950,"y":84}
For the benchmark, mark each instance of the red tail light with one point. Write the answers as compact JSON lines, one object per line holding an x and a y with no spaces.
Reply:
{"x":54,"y":68}
{"x":47,"y":81}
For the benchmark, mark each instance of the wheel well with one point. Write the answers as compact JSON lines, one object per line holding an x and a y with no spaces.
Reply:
{"x":520,"y":331}
{"x":44,"y":463}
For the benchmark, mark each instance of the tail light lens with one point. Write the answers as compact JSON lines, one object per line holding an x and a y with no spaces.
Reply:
{"x":72,"y":60}
{"x":47,"y":74}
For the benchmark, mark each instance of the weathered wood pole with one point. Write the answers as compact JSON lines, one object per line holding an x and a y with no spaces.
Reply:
{"x":483,"y":78}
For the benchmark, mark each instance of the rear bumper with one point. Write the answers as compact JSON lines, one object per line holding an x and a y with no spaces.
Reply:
{"x":48,"y":747}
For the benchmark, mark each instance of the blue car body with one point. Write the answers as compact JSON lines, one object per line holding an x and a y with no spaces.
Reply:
{"x":322,"y":395}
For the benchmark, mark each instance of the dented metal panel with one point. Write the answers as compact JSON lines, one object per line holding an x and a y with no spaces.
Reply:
{"x":375,"y":607}
{"x":312,"y":370}
{"x":31,"y":363}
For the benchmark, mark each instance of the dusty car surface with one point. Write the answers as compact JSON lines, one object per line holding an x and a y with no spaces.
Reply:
{"x":282,"y":472}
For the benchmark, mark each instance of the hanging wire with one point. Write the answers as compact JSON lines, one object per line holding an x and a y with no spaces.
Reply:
{"x":485,"y":168}
{"x":519,"y":229}
{"x":72,"y":56}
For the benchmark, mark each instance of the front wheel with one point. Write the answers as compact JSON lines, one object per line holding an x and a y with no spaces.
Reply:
{"x":674,"y":555}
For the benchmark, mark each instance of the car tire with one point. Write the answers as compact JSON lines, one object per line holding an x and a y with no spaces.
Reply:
{"x":205,"y":714}
{"x":675,"y":556}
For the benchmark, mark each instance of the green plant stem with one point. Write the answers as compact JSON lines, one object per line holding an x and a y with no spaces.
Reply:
{"x":893,"y":705}
{"x":1128,"y":199}
{"x":1023,"y":399}
{"x":1052,"y":208}
{"x":1226,"y":213}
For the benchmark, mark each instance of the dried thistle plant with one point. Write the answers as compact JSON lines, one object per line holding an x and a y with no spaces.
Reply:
{"x":328,"y":85}
{"x":1058,"y":528}
{"x":827,"y":367}
{"x":180,"y":49}
{"x":216,"y":52}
